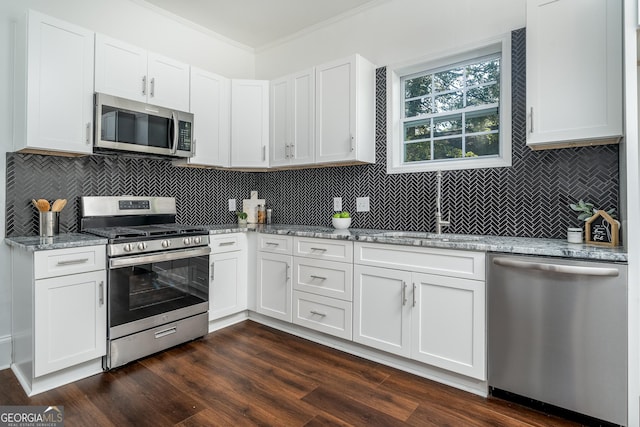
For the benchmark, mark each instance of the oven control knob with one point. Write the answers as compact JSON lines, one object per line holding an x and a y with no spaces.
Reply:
{"x":187,"y":241}
{"x":166,"y":244}
{"x":128,"y":247}
{"x":142,"y":246}
{"x":197,"y":240}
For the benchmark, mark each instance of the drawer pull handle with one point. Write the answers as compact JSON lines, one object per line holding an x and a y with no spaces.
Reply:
{"x":165,"y":332}
{"x":319,"y":313}
{"x":319,"y":249}
{"x":414,"y":295}
{"x":318,"y":277}
{"x":227,"y":243}
{"x":101,"y":291}
{"x":404,"y":292}
{"x":73,"y":261}
{"x":273,"y":244}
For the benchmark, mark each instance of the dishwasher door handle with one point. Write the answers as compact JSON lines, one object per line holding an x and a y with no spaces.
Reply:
{"x":558,"y":268}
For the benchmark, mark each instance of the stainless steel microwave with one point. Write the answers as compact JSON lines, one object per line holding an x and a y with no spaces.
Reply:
{"x":126,"y":125}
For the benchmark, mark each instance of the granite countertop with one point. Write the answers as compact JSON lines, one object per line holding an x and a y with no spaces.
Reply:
{"x":59,"y":241}
{"x":502,"y":244}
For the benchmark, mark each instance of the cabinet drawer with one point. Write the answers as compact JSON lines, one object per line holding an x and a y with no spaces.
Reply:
{"x":334,"y":250}
{"x":444,"y":262}
{"x":275,"y":243}
{"x":222,"y":243}
{"x":323,"y":314}
{"x":328,"y":278}
{"x":60,"y":262}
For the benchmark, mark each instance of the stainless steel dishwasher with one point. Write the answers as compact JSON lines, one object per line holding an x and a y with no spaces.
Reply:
{"x":558,"y":333}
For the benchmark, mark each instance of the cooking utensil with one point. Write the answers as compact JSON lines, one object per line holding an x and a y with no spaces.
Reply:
{"x":35,"y":204}
{"x":58,"y":205}
{"x":43,"y":205}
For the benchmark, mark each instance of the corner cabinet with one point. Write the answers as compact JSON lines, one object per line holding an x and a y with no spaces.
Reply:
{"x":210,"y":102}
{"x":345,"y":111}
{"x":131,"y":72}
{"x":228,"y":281}
{"x":249,"y":123}
{"x":424,"y":304}
{"x":273,"y":296}
{"x":574,"y":73}
{"x":60,"y":315}
{"x":53,"y":87}
{"x":292,"y":119}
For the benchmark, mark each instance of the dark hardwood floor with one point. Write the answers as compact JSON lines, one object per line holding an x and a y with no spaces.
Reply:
{"x":249,"y":374}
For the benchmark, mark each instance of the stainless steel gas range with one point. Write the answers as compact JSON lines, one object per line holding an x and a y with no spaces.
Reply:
{"x":158,"y":275}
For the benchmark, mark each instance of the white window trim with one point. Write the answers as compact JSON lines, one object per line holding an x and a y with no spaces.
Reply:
{"x":394,"y":107}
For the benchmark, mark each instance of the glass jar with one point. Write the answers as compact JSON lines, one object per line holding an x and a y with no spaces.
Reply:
{"x":262,"y":214}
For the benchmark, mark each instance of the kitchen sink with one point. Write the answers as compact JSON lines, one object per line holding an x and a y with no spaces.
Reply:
{"x":426,"y":236}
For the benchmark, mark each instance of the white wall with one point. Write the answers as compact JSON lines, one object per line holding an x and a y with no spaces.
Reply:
{"x":394,"y":31}
{"x":122,"y":19}
{"x":631,"y":192}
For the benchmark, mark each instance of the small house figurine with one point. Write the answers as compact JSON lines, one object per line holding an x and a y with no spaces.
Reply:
{"x":602,"y":229}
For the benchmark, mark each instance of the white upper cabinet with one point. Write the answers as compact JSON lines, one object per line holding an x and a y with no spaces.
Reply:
{"x":574,"y":72}
{"x":345,"y":111}
{"x":53,"y":86}
{"x":211,"y":108}
{"x":292,"y":119}
{"x":130,"y":72}
{"x":249,"y":123}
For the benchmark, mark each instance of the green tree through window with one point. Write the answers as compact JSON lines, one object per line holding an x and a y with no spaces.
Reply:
{"x":452,"y":113}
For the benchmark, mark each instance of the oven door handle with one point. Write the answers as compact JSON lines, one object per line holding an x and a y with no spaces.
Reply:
{"x":164,"y":256}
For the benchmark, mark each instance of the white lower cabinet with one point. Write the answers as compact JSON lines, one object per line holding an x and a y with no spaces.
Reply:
{"x":430,"y":318}
{"x":59,"y":316}
{"x":448,"y":323}
{"x":70,"y":321}
{"x":274,"y":286}
{"x":382,"y":314}
{"x":228,"y":275}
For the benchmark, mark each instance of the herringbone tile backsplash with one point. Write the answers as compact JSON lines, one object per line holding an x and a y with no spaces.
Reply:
{"x":528,"y":199}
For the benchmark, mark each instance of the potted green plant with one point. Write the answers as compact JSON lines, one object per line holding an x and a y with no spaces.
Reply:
{"x":242,"y":219}
{"x":587,"y":210}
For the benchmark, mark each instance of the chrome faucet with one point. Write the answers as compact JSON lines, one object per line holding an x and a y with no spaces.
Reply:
{"x":439,"y":221}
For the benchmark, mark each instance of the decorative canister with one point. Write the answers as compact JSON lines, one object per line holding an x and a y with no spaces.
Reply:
{"x":574,"y":235}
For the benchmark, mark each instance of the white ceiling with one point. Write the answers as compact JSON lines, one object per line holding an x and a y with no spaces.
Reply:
{"x":257,"y":23}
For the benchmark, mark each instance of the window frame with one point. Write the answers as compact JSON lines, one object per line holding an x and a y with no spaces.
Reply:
{"x":395,"y":107}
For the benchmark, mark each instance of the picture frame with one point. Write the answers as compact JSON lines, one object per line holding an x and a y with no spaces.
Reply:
{"x":601,"y":229}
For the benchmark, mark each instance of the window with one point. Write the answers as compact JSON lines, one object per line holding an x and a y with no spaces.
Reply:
{"x":451,"y":113}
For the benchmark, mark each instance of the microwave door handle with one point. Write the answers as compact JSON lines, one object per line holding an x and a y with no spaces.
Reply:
{"x":174,"y":120}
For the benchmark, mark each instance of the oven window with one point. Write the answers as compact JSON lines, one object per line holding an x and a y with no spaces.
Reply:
{"x":145,"y":290}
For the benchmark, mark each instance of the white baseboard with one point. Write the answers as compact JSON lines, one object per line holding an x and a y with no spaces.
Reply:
{"x":5,"y":352}
{"x":232,"y":319}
